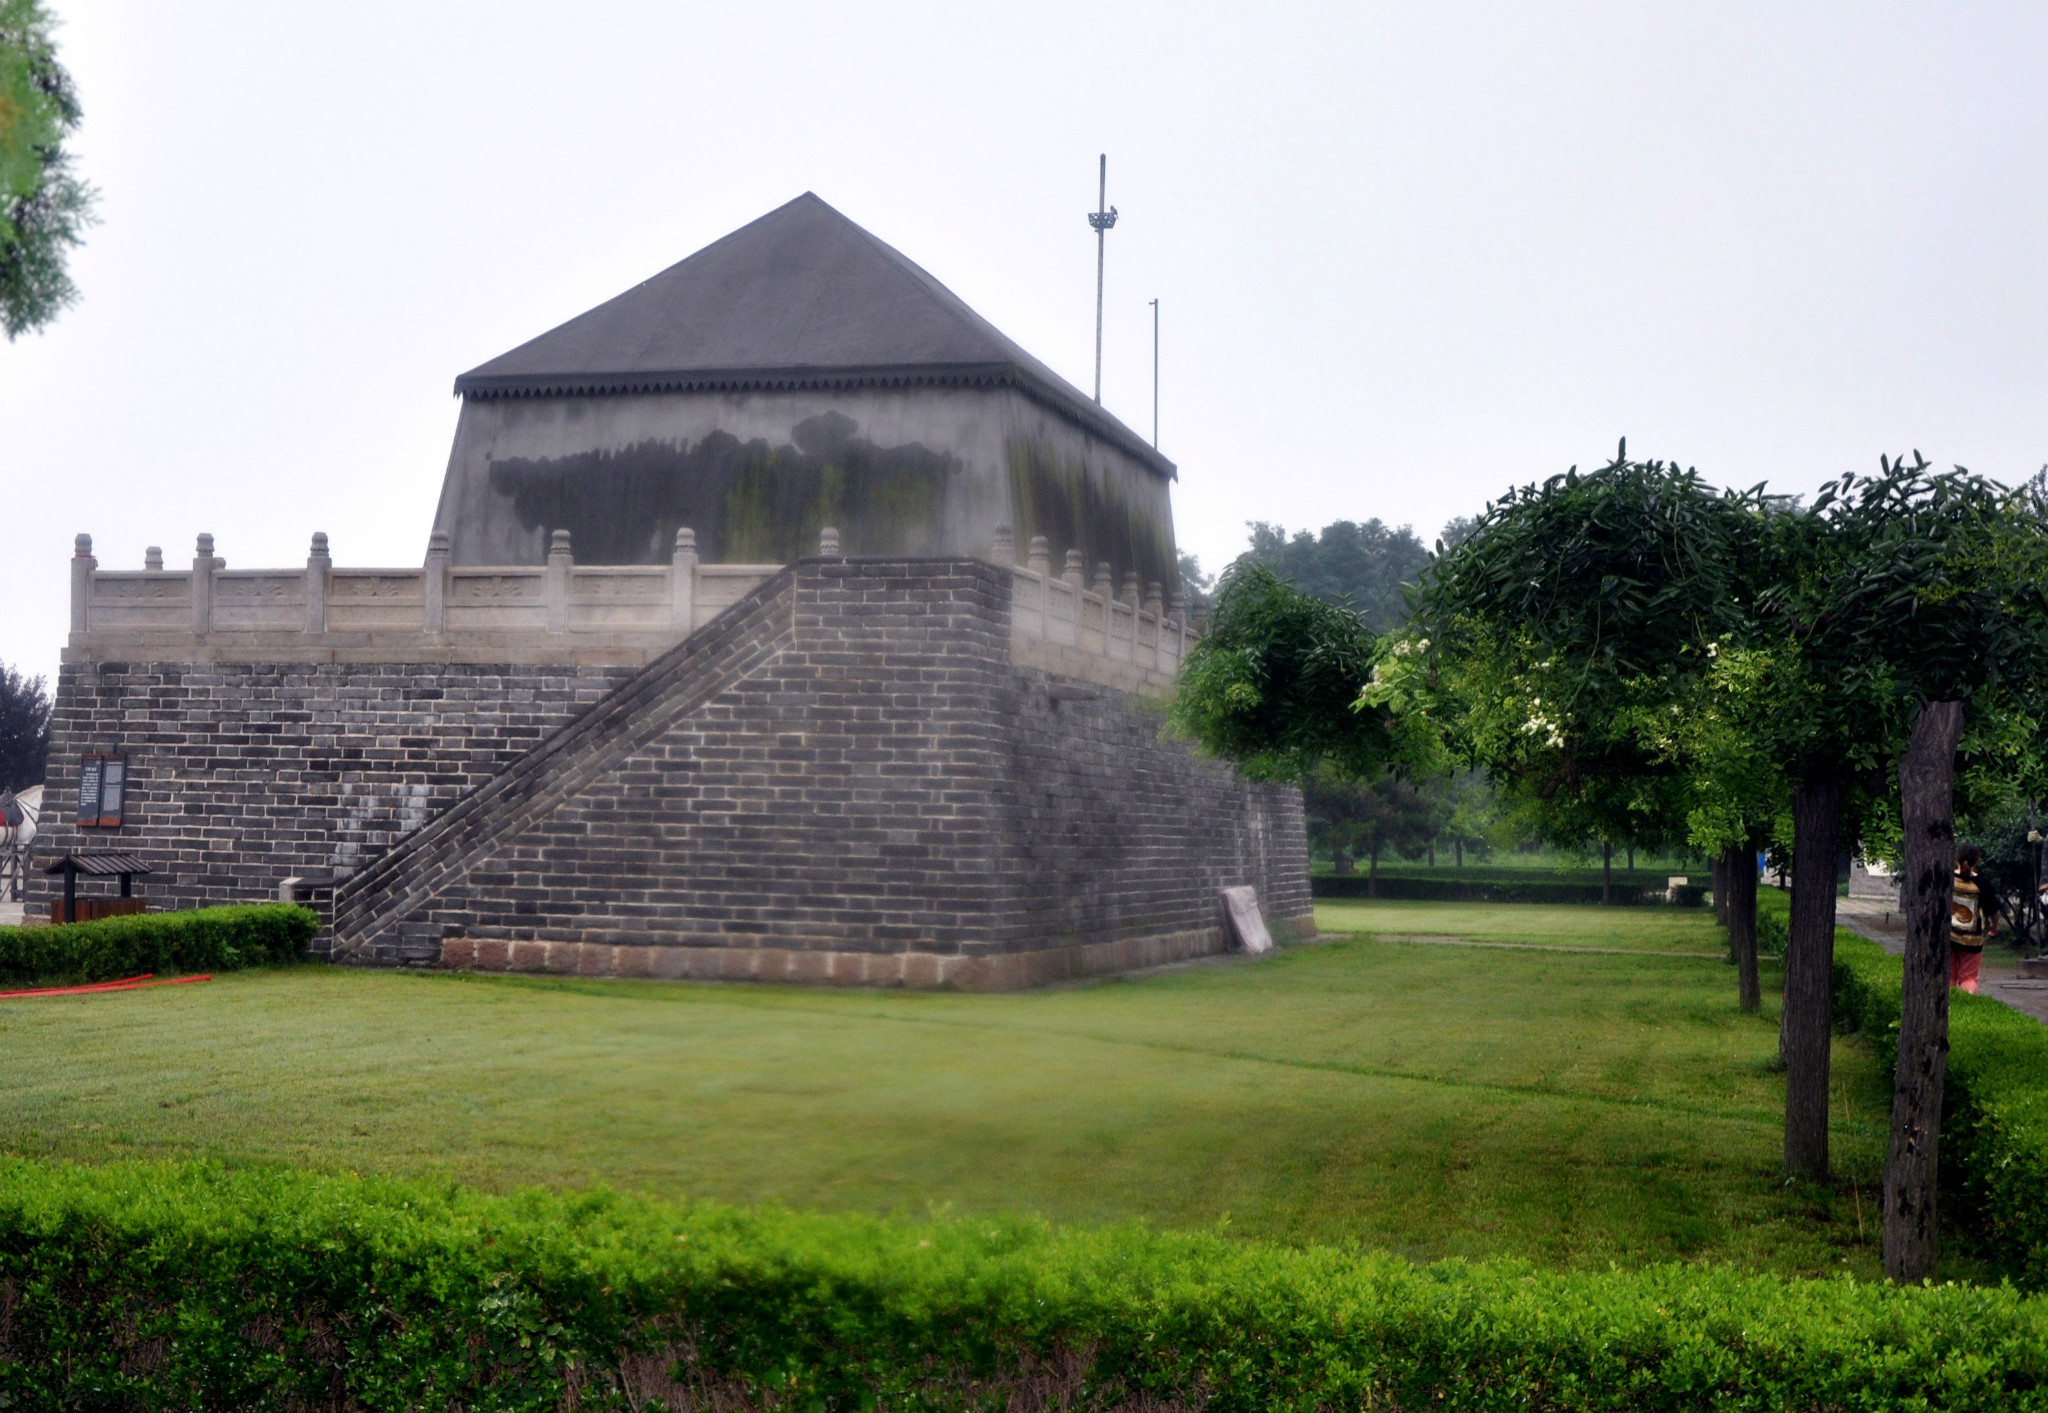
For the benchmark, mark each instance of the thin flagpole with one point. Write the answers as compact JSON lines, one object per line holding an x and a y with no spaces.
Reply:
{"x":1155,"y":375}
{"x":1101,"y":218}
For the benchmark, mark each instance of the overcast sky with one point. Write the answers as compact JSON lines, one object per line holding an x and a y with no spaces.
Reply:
{"x":1407,"y":254}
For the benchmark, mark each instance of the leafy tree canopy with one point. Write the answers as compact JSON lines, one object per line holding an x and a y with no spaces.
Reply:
{"x":1365,"y":567}
{"x":44,"y":207}
{"x":24,"y":729}
{"x":1275,"y":683}
{"x":1362,"y":818}
{"x":1566,"y":636}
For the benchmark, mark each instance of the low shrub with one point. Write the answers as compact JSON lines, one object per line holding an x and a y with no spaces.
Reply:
{"x":208,"y":939}
{"x":1499,"y":873}
{"x":190,"y":1286}
{"x":1773,"y":921}
{"x":1454,"y":890}
{"x":1994,"y":1128}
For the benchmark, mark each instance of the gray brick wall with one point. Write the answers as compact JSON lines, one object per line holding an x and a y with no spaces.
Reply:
{"x":242,"y":775}
{"x":843,"y":779}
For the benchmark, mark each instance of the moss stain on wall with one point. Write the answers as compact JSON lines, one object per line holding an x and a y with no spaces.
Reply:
{"x":748,"y":502}
{"x":882,"y":500}
{"x":1060,"y":500}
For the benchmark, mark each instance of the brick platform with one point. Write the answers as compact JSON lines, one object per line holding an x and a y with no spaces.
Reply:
{"x":243,"y":774}
{"x":844,"y":779}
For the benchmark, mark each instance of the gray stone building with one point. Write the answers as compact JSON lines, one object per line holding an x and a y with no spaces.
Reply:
{"x":728,"y":659}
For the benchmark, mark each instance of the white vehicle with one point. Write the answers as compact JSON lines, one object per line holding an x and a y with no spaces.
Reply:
{"x":18,"y":816}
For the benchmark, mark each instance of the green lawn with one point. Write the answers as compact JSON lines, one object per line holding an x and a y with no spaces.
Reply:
{"x":1570,"y":1107}
{"x":1655,"y":929}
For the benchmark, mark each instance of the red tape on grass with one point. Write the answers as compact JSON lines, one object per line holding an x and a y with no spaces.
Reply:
{"x":133,"y":983}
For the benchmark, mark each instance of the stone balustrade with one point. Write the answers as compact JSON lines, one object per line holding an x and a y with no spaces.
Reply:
{"x":560,"y":612}
{"x":1064,"y":626}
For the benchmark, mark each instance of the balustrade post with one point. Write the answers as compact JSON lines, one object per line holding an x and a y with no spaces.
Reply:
{"x":1129,"y":599}
{"x":1073,"y":572}
{"x":1105,"y":583}
{"x":1040,"y":559}
{"x":828,"y":543}
{"x":1006,"y":547}
{"x":318,"y":567}
{"x":204,"y":562}
{"x":82,"y":565}
{"x":435,"y":586}
{"x":682,"y":582}
{"x":153,"y":559}
{"x":561,"y":563}
{"x":1155,"y":605}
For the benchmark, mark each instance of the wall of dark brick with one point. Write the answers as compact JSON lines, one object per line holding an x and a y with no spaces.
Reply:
{"x":242,"y":775}
{"x":842,"y":779}
{"x":1109,"y":831}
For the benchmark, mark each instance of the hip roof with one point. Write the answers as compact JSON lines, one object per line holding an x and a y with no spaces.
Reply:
{"x":801,"y":298}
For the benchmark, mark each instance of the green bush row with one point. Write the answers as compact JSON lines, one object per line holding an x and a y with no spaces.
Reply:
{"x":1994,"y":1130}
{"x":189,"y":1286}
{"x":1452,"y":890}
{"x":209,"y":939}
{"x":1508,"y":873}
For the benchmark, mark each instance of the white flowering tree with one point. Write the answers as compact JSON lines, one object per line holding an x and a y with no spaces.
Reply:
{"x":1562,"y":641}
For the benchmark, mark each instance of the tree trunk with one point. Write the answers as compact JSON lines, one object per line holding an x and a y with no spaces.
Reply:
{"x":1341,"y":864}
{"x":1735,"y":871}
{"x":1927,"y":780}
{"x":1807,"y":1028}
{"x":1460,"y":847}
{"x":1606,"y":872}
{"x":1432,"y":853}
{"x":1720,"y":887}
{"x":1372,"y":872}
{"x":1631,"y":858}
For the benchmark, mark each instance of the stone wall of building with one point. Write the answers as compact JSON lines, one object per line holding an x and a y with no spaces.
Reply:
{"x":240,"y":775}
{"x":909,"y":470}
{"x":845,"y":778}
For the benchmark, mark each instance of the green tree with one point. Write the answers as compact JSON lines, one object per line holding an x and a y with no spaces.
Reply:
{"x":1567,"y":637}
{"x":1364,"y":818}
{"x":1473,"y":821}
{"x":1727,"y":739}
{"x":24,"y":729}
{"x":1195,"y":586}
{"x":44,"y":206}
{"x":1274,"y":684}
{"x":1364,"y":567}
{"x":1949,"y":602}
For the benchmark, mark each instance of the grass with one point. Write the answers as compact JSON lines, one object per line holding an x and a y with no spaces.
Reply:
{"x":1532,"y":924}
{"x":1569,"y":1107}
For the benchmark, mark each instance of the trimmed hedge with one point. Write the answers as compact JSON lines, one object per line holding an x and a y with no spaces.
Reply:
{"x":1994,"y":1128}
{"x":1503,"y":873}
{"x":208,"y":939}
{"x":1452,"y":890}
{"x":190,"y":1286}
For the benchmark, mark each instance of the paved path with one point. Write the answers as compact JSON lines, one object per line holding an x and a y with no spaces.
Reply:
{"x":1879,"y":920}
{"x":10,"y":914}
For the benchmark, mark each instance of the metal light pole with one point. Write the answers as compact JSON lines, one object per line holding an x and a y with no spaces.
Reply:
{"x":1101,"y":218}
{"x":1155,"y":375}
